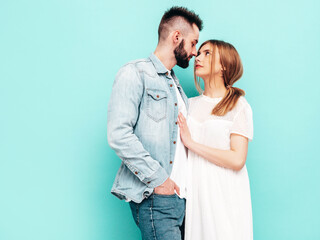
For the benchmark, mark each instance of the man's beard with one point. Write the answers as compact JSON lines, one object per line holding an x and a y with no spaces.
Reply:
{"x":181,"y":55}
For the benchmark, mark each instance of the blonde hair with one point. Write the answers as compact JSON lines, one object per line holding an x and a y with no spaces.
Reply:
{"x":232,"y":71}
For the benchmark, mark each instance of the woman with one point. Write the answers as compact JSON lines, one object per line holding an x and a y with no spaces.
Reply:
{"x":220,"y":123}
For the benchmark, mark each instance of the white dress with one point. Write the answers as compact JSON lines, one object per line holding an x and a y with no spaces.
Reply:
{"x":218,"y":199}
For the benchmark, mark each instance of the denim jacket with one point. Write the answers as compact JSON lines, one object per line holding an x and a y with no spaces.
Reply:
{"x":142,"y":126}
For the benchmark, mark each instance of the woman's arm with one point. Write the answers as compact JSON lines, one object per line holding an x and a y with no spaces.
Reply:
{"x":235,"y":158}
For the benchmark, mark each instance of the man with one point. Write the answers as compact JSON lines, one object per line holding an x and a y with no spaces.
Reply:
{"x":142,"y":128}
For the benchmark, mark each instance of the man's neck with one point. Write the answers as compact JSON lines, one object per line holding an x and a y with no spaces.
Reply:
{"x":166,"y":56}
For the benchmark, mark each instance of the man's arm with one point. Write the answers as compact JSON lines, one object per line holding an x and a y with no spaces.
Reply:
{"x":123,"y":112}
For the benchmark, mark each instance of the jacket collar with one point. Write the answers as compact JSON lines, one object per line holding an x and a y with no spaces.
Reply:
{"x":161,"y":69}
{"x":158,"y":64}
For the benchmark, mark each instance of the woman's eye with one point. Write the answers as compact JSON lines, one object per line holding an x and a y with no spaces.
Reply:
{"x":207,"y":53}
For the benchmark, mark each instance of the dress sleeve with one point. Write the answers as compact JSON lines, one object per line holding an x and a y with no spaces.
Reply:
{"x":243,"y":123}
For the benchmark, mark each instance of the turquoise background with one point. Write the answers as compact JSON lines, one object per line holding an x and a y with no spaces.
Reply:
{"x":58,"y":60}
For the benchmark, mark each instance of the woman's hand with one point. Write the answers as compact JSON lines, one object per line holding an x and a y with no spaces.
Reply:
{"x":184,"y":131}
{"x":235,"y":158}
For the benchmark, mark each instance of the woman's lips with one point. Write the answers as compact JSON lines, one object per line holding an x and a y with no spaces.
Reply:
{"x":198,"y":66}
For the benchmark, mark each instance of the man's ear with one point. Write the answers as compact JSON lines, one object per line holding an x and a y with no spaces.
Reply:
{"x":176,"y":37}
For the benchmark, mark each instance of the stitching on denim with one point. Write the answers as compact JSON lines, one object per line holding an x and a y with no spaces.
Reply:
{"x":151,"y":216}
{"x":148,"y":108}
{"x":137,"y":214}
{"x":147,"y":73}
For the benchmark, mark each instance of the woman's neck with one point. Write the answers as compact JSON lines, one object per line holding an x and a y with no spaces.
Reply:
{"x":214,"y":87}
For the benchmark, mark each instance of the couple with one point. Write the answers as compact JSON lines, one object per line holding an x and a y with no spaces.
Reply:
{"x":183,"y":159}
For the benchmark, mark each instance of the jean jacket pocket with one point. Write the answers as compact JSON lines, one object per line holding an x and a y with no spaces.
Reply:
{"x":156,"y":104}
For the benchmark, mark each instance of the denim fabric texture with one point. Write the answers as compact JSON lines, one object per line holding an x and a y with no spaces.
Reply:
{"x":142,"y":129}
{"x":159,"y":217}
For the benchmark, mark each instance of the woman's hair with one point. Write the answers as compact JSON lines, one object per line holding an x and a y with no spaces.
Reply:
{"x":231,"y":72}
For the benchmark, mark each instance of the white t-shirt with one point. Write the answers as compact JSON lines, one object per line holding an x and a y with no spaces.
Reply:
{"x":179,"y":168}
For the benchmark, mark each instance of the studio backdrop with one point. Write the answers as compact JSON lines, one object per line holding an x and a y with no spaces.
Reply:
{"x":58,"y":60}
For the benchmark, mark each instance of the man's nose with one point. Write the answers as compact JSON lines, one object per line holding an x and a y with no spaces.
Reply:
{"x":194,"y":52}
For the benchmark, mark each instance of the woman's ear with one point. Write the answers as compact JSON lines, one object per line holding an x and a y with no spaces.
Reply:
{"x":222,"y":71}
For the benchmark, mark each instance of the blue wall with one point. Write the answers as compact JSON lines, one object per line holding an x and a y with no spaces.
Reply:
{"x":58,"y":60}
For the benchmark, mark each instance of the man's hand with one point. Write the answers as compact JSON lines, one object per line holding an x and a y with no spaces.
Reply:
{"x":169,"y":187}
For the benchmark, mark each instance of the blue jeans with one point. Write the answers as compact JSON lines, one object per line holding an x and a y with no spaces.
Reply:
{"x":159,"y":217}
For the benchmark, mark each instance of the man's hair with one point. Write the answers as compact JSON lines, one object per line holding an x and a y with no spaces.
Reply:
{"x":173,"y":16}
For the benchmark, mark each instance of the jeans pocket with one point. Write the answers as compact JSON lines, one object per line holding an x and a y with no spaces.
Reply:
{"x":156,"y":104}
{"x":165,"y":196}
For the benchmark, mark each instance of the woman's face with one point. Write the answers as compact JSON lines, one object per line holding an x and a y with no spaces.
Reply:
{"x":203,"y":62}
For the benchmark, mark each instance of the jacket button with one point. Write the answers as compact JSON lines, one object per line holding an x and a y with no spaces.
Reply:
{"x":176,"y":123}
{"x":149,"y":182}
{"x":157,"y":96}
{"x":174,"y":142}
{"x":170,"y":85}
{"x":176,"y":104}
{"x":170,"y":162}
{"x":135,"y":172}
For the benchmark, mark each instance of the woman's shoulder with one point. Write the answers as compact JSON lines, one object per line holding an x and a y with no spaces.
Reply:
{"x":243,"y":103}
{"x":192,"y":100}
{"x":242,"y":106}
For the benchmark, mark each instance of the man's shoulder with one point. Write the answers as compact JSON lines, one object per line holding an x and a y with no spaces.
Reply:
{"x":139,"y":64}
{"x":143,"y":65}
